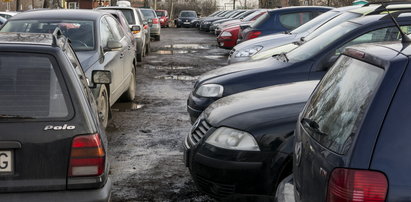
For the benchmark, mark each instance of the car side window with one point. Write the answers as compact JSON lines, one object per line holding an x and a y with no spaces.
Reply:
{"x":294,"y":20}
{"x":115,"y":28}
{"x":339,"y":103}
{"x":105,"y":32}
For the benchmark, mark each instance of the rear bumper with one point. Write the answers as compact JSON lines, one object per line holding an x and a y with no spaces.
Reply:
{"x":102,"y":194}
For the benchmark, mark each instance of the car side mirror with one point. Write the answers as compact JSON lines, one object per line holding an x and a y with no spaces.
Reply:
{"x":113,"y":45}
{"x":101,"y":77}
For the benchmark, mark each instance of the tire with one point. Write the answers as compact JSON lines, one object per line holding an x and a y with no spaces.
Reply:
{"x":139,"y":57}
{"x":103,"y":106}
{"x":130,"y":93}
{"x":157,"y":38}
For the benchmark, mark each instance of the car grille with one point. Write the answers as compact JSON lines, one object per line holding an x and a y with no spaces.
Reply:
{"x":214,"y":189}
{"x":199,"y":131}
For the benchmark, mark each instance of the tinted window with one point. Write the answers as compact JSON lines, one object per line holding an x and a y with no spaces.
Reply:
{"x":259,"y":21}
{"x":188,"y":14}
{"x":105,"y":33}
{"x":160,"y":13}
{"x":115,"y":28}
{"x":340,"y":101}
{"x":29,"y":87}
{"x":148,"y":14}
{"x":73,"y":29}
{"x":293,"y":20}
{"x":128,"y":13}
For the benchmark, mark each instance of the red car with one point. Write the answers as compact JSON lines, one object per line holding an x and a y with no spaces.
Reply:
{"x":163,"y":16}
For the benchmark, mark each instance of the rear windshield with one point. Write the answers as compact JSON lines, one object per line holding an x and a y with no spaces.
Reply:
{"x":160,"y":13}
{"x":188,"y":14}
{"x":340,"y":101}
{"x":129,"y":16}
{"x":149,"y":14}
{"x":73,"y":29}
{"x":30,"y":88}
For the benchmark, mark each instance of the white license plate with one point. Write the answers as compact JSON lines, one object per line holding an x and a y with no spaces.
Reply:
{"x":6,"y":161}
{"x":186,"y":23}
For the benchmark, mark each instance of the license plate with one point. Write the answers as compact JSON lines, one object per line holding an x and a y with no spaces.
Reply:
{"x":6,"y":162}
{"x":186,"y":23}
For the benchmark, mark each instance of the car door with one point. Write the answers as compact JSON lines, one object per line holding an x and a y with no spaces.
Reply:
{"x":112,"y":60}
{"x":126,"y":53}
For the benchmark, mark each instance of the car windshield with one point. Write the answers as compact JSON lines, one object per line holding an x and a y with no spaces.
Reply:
{"x":188,"y":14}
{"x":149,"y":14}
{"x":160,"y":13}
{"x":73,"y":29}
{"x":332,"y":23}
{"x":315,"y":22}
{"x":313,"y":47}
{"x":29,"y":87}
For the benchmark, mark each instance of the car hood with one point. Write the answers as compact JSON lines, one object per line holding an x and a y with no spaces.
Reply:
{"x":271,"y":63}
{"x":87,"y":58}
{"x":250,"y":109}
{"x":231,"y":23}
{"x":265,"y":40}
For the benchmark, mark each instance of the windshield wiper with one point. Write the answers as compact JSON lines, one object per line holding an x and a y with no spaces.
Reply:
{"x":312,"y":125}
{"x":13,"y":116}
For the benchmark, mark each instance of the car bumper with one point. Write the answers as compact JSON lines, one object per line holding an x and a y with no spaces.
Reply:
{"x":102,"y":194}
{"x":205,"y":27}
{"x":155,"y":30}
{"x":225,"y":42}
{"x":223,"y":173}
{"x":196,"y":105}
{"x":233,"y":59}
{"x":285,"y":190}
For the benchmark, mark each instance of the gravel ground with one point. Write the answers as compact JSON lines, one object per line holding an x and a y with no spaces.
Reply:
{"x":145,"y":136}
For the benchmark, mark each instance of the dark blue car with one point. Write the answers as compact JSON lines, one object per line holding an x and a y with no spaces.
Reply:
{"x":307,"y":62}
{"x":280,"y":20}
{"x":352,"y":139}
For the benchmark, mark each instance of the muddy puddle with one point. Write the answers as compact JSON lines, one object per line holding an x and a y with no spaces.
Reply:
{"x":214,"y":57}
{"x":177,"y":77}
{"x":126,"y":106}
{"x":189,"y":46}
{"x":173,"y":52}
{"x":167,"y":67}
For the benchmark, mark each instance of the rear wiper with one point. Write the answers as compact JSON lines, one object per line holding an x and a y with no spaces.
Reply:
{"x":12,"y":116}
{"x":312,"y":125}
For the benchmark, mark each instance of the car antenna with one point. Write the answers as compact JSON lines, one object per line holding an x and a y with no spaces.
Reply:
{"x":404,"y":37}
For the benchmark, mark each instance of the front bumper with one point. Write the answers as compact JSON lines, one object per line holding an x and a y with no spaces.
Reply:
{"x":102,"y":194}
{"x":155,"y":30}
{"x":223,"y":173}
{"x":205,"y":27}
{"x":225,"y":42}
{"x":196,"y":105}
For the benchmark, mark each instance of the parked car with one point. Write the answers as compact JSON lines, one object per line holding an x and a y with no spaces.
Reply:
{"x":52,"y":145}
{"x":99,"y":43}
{"x":184,"y":18}
{"x":164,"y":18}
{"x":153,"y":21}
{"x":349,"y":141}
{"x":280,"y":20}
{"x":242,"y":144}
{"x":238,"y":15}
{"x":206,"y":23}
{"x":196,"y":22}
{"x":265,"y":47}
{"x":2,"y":21}
{"x":138,"y":26}
{"x":250,"y":17}
{"x":229,"y":35}
{"x":309,"y":61}
{"x":7,"y":14}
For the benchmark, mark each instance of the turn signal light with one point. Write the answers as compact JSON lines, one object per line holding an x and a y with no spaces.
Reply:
{"x":87,"y":156}
{"x":348,"y":185}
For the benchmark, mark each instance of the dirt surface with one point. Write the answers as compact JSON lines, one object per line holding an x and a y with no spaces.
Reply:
{"x":145,"y":136}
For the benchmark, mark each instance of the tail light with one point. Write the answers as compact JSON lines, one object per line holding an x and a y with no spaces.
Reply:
{"x":253,"y":34}
{"x":155,"y":21}
{"x":87,"y":156}
{"x":356,"y":185}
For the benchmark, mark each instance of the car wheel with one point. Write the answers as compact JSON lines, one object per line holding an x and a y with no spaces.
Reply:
{"x":130,"y":94}
{"x":157,"y":38}
{"x":139,"y":57}
{"x":103,"y":106}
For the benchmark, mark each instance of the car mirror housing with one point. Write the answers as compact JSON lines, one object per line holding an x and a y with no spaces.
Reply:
{"x":101,"y":77}
{"x":113,"y":45}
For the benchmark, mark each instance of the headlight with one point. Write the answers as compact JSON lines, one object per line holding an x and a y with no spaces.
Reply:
{"x":210,"y":90}
{"x":249,"y":52}
{"x":226,"y":34}
{"x":233,"y":139}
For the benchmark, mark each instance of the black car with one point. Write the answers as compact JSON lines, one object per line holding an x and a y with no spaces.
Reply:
{"x":52,"y":145}
{"x":184,"y":18}
{"x":242,"y":144}
{"x":99,"y":42}
{"x":307,"y":62}
{"x":351,"y":139}
{"x":206,"y":23}
{"x":280,"y":20}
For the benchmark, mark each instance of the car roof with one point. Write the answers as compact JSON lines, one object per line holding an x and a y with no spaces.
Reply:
{"x":79,"y":14}
{"x":298,"y":8}
{"x":27,"y":38}
{"x":399,"y":16}
{"x":365,"y":10}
